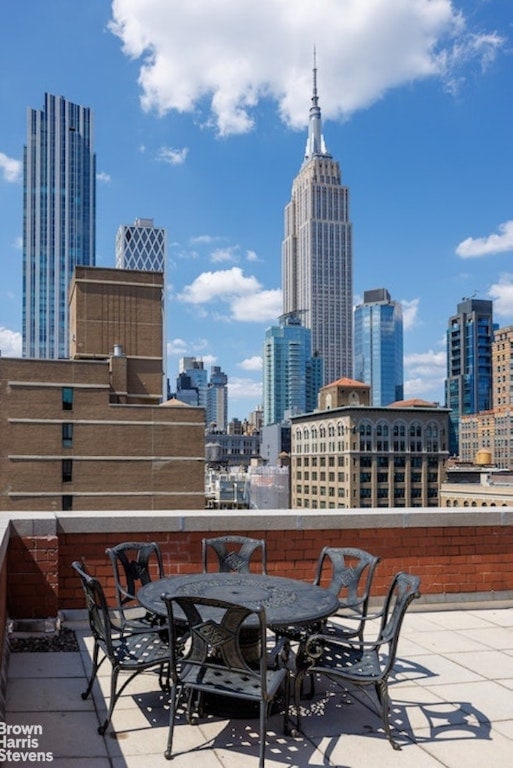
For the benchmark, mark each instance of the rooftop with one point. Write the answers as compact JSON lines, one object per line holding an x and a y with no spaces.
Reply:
{"x":451,"y":695}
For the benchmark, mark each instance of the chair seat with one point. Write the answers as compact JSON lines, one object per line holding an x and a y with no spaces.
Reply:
{"x":350,"y":663}
{"x":139,"y":650}
{"x":232,"y":682}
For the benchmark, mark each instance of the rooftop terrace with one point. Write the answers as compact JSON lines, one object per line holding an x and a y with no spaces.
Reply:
{"x":452,"y":691}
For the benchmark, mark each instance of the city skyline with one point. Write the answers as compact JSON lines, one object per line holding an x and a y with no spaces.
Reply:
{"x":415,"y":111}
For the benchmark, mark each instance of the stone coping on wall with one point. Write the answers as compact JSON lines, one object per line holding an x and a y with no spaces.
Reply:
{"x":52,"y":523}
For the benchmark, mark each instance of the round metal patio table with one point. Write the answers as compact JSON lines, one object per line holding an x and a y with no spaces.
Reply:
{"x":286,"y":601}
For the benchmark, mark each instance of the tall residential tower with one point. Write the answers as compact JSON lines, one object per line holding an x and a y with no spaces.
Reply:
{"x":59,"y":198}
{"x":317,"y":272}
{"x":378,"y":346}
{"x":292,"y":376}
{"x":217,"y":400}
{"x":468,"y":387}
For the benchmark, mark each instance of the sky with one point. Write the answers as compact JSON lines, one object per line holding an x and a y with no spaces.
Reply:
{"x":200,"y":113}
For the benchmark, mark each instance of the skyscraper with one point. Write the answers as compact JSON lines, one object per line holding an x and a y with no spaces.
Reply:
{"x":141,"y":246}
{"x":292,"y":376}
{"x":378,"y":346}
{"x":59,"y":199}
{"x":317,"y":252}
{"x":191,"y":382}
{"x":468,"y":387}
{"x":217,"y":399}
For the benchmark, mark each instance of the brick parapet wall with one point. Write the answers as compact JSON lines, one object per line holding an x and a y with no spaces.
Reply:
{"x":460,"y":559}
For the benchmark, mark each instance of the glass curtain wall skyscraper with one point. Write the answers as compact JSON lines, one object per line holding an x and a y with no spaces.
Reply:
{"x":292,"y":376}
{"x":378,"y":346}
{"x":217,"y":400}
{"x":468,"y":387}
{"x":317,"y":271}
{"x":59,"y":202}
{"x":191,"y":383}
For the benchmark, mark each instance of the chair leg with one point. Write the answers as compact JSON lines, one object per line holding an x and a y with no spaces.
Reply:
{"x":94,"y":670}
{"x":298,"y":685}
{"x":168,"y":754}
{"x":288,"y":730}
{"x":264,"y":707}
{"x":384,"y":700}
{"x":113,"y":698}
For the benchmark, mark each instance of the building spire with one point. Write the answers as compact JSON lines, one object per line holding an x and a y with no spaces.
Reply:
{"x":315,"y":144}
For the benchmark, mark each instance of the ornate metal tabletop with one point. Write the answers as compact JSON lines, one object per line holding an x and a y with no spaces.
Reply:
{"x":286,"y":601}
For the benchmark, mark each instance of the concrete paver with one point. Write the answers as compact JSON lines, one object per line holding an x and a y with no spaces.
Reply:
{"x":451,"y":697}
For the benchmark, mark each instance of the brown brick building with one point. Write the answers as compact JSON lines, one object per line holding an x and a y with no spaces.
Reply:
{"x":92,"y":432}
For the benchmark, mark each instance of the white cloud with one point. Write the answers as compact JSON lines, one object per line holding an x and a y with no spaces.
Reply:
{"x":180,"y":347}
{"x":246,"y":300}
{"x":426,"y":363}
{"x":223,"y":284}
{"x":254,"y":363}
{"x":176,"y":347}
{"x":224,"y":254}
{"x":173,"y":156}
{"x":258,"y":307}
{"x":11,"y":169}
{"x":425,"y":375}
{"x":410,"y":312}
{"x":221,"y":74}
{"x":252,"y":256}
{"x":10,"y":343}
{"x":241,"y":389}
{"x":204,"y":239}
{"x":501,"y":294}
{"x":103,"y":177}
{"x":483,"y":246}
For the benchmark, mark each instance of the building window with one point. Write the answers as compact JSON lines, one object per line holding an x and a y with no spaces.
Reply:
{"x":67,"y":470}
{"x":67,"y":435}
{"x":67,"y":398}
{"x":67,"y":503}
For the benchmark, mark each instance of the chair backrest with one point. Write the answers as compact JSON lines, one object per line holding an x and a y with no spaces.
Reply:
{"x":234,"y":553}
{"x":403,"y":589}
{"x":214,"y":629}
{"x":352,"y":571}
{"x":97,"y":610}
{"x":132,"y":563}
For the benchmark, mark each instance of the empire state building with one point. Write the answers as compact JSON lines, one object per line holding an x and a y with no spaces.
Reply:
{"x":317,"y":271}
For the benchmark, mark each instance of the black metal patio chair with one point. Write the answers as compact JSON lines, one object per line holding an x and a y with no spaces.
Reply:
{"x":214,"y":661}
{"x":234,"y":553}
{"x":135,"y":563}
{"x":362,"y":663}
{"x":351,"y":573}
{"x":127,"y":652}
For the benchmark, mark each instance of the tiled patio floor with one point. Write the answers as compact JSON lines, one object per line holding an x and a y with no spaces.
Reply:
{"x":452,"y":696}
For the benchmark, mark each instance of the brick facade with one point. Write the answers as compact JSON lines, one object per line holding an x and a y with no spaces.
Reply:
{"x":454,"y":560}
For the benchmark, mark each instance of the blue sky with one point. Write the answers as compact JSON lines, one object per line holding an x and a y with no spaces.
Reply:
{"x":200,"y":123}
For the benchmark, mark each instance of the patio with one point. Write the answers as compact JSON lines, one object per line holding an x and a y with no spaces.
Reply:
{"x":452,"y":695}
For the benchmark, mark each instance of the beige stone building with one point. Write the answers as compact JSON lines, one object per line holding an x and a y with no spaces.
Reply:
{"x":348,"y":454}
{"x":93,"y":432}
{"x":477,"y":485}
